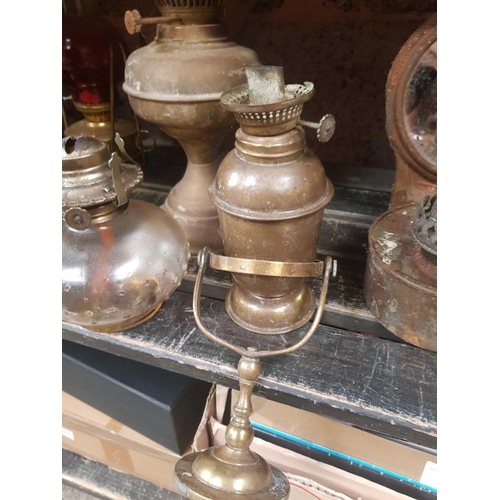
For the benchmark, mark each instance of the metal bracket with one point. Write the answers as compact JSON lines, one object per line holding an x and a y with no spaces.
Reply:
{"x":203,"y":260}
{"x":266,"y":267}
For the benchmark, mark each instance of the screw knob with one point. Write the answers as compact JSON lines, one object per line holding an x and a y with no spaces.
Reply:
{"x":132,"y":21}
{"x":324,"y":129}
{"x":78,"y":218}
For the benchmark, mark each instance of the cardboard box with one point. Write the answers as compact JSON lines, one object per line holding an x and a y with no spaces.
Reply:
{"x":341,"y":440}
{"x":95,"y":435}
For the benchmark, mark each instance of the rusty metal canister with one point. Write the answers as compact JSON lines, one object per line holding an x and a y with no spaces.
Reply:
{"x":401,"y":272}
{"x":270,"y":193}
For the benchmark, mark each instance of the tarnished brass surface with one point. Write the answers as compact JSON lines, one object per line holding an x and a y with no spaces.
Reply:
{"x":233,"y":470}
{"x":416,"y":173}
{"x":401,"y":279}
{"x":270,"y":192}
{"x":162,"y":90}
{"x":266,"y":268}
{"x":94,"y":113}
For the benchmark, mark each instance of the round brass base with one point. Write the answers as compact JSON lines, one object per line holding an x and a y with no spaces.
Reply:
{"x":270,"y":316}
{"x":126,"y":325}
{"x":237,"y":475}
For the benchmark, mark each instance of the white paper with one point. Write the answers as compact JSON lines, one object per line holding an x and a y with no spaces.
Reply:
{"x":67,"y":433}
{"x":429,"y":476}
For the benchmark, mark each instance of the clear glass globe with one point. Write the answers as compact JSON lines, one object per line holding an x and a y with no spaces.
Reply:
{"x":116,"y":274}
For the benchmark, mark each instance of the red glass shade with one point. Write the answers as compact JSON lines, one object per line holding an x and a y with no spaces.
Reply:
{"x":86,"y":46}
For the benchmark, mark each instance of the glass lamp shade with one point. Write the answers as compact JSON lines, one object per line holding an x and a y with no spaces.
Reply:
{"x":86,"y":57}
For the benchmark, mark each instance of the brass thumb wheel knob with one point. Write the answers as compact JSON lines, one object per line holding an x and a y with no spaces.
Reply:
{"x":132,"y":21}
{"x":325,"y":128}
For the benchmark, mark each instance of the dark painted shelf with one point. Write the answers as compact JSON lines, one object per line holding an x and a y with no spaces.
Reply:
{"x":377,"y":385}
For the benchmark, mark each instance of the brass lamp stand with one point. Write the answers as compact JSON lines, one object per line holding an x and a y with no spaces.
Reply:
{"x":233,"y":470}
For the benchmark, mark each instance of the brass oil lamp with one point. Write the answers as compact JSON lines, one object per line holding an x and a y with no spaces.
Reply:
{"x":233,"y":471}
{"x":270,"y":192}
{"x":93,"y":61}
{"x":176,"y":82}
{"x":411,"y":121}
{"x":121,"y":258}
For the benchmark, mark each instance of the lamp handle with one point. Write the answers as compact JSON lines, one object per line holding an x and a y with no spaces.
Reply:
{"x":203,"y":260}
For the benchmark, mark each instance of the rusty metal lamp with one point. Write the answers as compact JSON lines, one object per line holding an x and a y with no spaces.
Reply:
{"x":411,"y":115}
{"x":93,"y":61}
{"x":233,"y":471}
{"x":270,"y":192}
{"x":121,"y":258}
{"x":176,"y":82}
{"x":401,"y":274}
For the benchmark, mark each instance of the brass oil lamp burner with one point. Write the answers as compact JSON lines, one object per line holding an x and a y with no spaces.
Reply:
{"x":121,"y":258}
{"x":401,"y":274}
{"x":93,"y":61}
{"x":176,"y":82}
{"x":270,"y":192}
{"x":233,"y":471}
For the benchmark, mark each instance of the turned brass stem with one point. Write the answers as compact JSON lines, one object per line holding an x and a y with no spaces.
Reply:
{"x":239,"y":432}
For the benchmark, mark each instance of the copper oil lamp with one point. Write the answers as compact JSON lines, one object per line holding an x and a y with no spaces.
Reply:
{"x":233,"y":471}
{"x":270,"y":192}
{"x":93,"y":61}
{"x":411,"y":121}
{"x":121,"y":258}
{"x":176,"y":82}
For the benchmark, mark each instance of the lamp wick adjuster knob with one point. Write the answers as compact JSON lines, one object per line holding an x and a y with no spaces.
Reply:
{"x":325,"y":128}
{"x":134,"y":21}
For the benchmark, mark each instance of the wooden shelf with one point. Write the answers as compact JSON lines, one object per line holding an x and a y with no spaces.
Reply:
{"x":375,"y":384}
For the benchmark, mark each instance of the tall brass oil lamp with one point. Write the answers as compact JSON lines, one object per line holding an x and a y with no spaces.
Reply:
{"x":270,"y":192}
{"x":401,"y":274}
{"x":176,"y":82}
{"x":233,"y":471}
